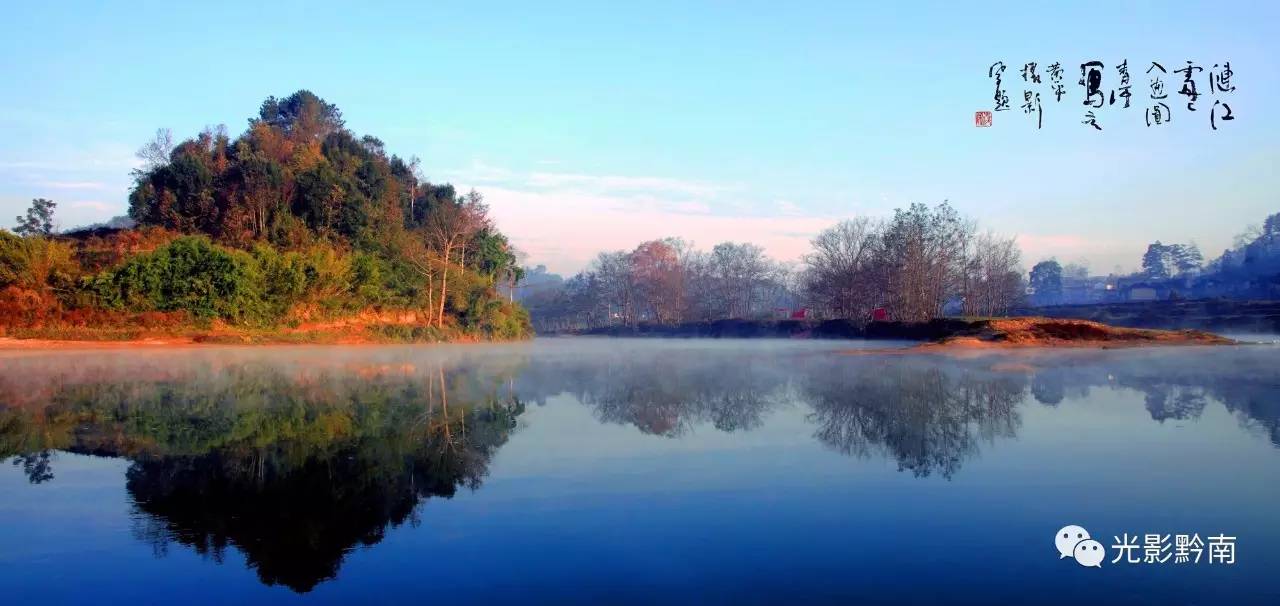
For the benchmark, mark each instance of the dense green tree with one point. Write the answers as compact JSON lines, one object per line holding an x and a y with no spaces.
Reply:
{"x":302,"y":114}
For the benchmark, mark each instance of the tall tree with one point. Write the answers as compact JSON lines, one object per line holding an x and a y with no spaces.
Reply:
{"x":1271,"y":226}
{"x":615,"y":287}
{"x":993,"y":279}
{"x":39,"y":219}
{"x":739,"y":271}
{"x":659,"y":278}
{"x":1157,"y":261}
{"x":448,"y":228}
{"x":924,"y":251}
{"x":1186,"y":257}
{"x":842,"y":277}
{"x":1046,"y":279}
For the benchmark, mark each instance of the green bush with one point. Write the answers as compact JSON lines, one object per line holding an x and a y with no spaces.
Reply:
{"x":190,"y":274}
{"x":367,"y":271}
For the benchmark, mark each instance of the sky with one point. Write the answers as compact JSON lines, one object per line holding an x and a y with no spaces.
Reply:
{"x":595,"y":126}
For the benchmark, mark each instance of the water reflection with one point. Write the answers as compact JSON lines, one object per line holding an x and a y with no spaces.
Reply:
{"x":294,"y":460}
{"x":1177,"y":385}
{"x":927,"y":417}
{"x":292,"y":468}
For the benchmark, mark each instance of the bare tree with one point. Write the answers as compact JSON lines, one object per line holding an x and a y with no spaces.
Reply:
{"x":447,"y":229}
{"x":155,"y":153}
{"x":615,"y":291}
{"x":739,"y":271}
{"x":841,"y":278}
{"x":923,"y":259}
{"x":992,"y":277}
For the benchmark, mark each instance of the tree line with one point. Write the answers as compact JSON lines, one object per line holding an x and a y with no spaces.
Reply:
{"x":914,"y":266}
{"x":665,"y":281}
{"x":1250,"y":269}
{"x":296,"y":218}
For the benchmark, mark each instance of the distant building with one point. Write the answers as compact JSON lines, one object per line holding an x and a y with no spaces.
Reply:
{"x":787,"y":313}
{"x":1143,"y":292}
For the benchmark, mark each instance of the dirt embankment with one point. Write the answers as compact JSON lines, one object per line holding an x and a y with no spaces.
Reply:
{"x":1051,"y":332}
{"x":366,"y":328}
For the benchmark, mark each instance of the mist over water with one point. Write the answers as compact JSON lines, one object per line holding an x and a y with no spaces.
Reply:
{"x":631,"y":470}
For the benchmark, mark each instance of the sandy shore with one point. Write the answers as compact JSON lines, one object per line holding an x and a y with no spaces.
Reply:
{"x":1051,"y":333}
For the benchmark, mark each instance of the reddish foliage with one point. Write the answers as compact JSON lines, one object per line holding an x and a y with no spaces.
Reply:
{"x":97,"y":253}
{"x":24,"y":307}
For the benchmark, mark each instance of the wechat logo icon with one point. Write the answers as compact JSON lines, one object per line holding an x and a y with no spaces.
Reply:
{"x":1074,"y":542}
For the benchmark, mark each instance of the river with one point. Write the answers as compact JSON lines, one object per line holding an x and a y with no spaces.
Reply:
{"x":597,"y":470}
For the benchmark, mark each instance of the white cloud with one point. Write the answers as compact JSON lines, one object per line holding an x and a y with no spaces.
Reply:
{"x":102,"y":207}
{"x":624,"y":184}
{"x":74,"y":184}
{"x":104,"y":156}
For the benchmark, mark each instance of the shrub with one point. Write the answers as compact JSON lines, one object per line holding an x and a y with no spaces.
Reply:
{"x":36,"y":263}
{"x":37,"y":278}
{"x":189,"y":274}
{"x":367,"y":271}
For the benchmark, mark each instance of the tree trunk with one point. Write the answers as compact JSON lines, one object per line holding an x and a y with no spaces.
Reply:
{"x":444,"y":287}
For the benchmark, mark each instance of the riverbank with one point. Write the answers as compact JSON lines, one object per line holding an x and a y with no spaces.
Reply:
{"x":946,"y":333}
{"x":329,"y":334}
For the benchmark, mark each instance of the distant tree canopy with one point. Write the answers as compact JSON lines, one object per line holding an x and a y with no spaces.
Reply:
{"x":1168,"y":260}
{"x":914,"y":266}
{"x":1254,"y":260}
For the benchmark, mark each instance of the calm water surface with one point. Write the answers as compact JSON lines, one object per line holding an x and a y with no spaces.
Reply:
{"x":611,"y":471}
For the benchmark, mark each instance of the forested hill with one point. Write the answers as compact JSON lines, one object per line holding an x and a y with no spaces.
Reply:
{"x":295,"y":221}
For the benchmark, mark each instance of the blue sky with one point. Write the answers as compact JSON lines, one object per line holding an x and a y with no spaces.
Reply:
{"x":595,"y":125}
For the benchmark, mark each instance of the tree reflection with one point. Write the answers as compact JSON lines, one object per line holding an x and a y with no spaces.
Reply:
{"x":292,"y":470}
{"x":35,"y":465}
{"x":1177,"y":384}
{"x":668,"y":395}
{"x":929,"y":418}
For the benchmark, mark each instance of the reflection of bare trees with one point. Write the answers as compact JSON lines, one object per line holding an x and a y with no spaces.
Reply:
{"x":928,"y":414}
{"x":928,"y":418}
{"x":668,"y":395}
